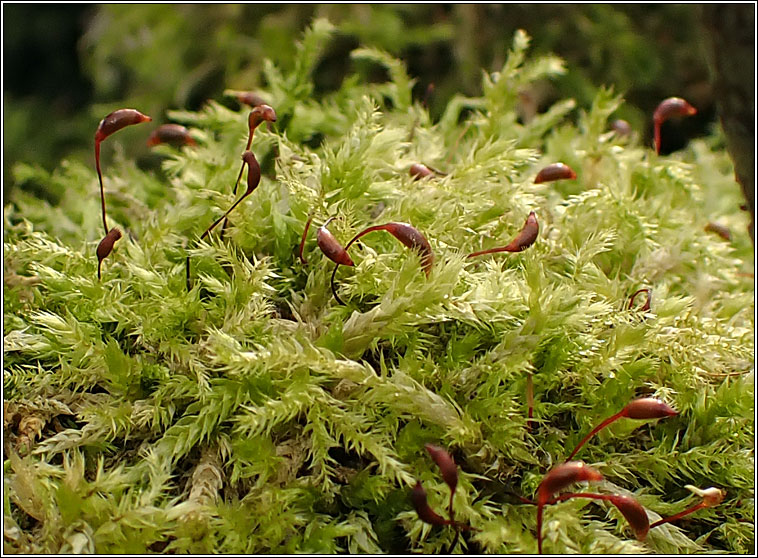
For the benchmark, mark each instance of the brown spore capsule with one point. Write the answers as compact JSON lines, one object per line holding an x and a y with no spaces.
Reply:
{"x":525,"y":238}
{"x":113,"y":122}
{"x":105,"y":247}
{"x":556,"y":480}
{"x":641,"y":409}
{"x":621,"y":127}
{"x":119,"y":119}
{"x":250,"y":98}
{"x":721,"y":230}
{"x":420,"y":504}
{"x":673,"y":106}
{"x":556,"y":171}
{"x":647,"y":408}
{"x":445,"y":462}
{"x":173,"y":134}
{"x":419,"y":171}
{"x":634,"y":514}
{"x":331,"y":248}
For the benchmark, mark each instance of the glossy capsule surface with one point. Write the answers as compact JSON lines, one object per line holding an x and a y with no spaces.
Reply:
{"x":173,"y":134}
{"x":556,"y":171}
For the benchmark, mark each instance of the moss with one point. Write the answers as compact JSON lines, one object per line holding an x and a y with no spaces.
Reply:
{"x":253,"y":414}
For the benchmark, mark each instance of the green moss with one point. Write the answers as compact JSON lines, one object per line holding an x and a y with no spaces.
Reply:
{"x":253,"y":414}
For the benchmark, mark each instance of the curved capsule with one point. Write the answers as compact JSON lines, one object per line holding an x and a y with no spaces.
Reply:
{"x":445,"y":462}
{"x":253,"y":171}
{"x":261,"y":113}
{"x":634,"y":514}
{"x":173,"y":134}
{"x":621,"y":127}
{"x":673,"y":106}
{"x":113,"y":123}
{"x":647,"y":408}
{"x":645,"y":307}
{"x":525,"y":238}
{"x":330,"y":247}
{"x":563,"y":476}
{"x":250,"y":98}
{"x":408,"y":235}
{"x":106,"y":247}
{"x":556,"y":171}
{"x":420,"y":504}
{"x":119,"y":119}
{"x":556,"y":480}
{"x":721,"y":230}
{"x":419,"y":171}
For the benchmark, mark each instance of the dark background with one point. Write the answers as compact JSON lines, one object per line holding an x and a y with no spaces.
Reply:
{"x":66,"y":66}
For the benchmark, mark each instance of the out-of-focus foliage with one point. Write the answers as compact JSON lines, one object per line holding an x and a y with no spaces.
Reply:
{"x":251,"y":414}
{"x":160,"y":57}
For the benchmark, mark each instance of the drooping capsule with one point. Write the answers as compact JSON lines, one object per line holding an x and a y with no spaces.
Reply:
{"x":556,"y":171}
{"x":424,"y":511}
{"x":525,"y":238}
{"x":419,"y":171}
{"x":105,"y":247}
{"x":112,"y":123}
{"x":721,"y":230}
{"x":173,"y":134}
{"x":673,"y":106}
{"x":445,"y":462}
{"x":118,"y":119}
{"x":331,"y":248}
{"x":557,"y":479}
{"x":634,"y":514}
{"x":621,"y":127}
{"x":647,"y":408}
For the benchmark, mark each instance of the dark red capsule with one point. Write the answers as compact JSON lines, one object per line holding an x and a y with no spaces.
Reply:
{"x":447,"y":465}
{"x":419,"y":171}
{"x":253,"y":171}
{"x":556,"y":171}
{"x":621,"y":127}
{"x":673,"y":106}
{"x":119,"y":119}
{"x":647,"y":408}
{"x":106,"y":246}
{"x":556,"y":480}
{"x":409,"y":236}
{"x":173,"y":134}
{"x":250,"y":98}
{"x":721,"y":230}
{"x":634,"y":514}
{"x":420,"y":504}
{"x":261,"y":113}
{"x":563,"y":476}
{"x":331,"y":248}
{"x":525,"y":238}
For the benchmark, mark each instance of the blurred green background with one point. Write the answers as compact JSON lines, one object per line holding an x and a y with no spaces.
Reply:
{"x":67,"y":66}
